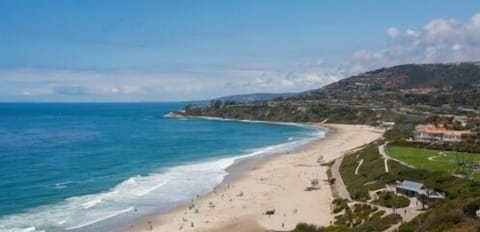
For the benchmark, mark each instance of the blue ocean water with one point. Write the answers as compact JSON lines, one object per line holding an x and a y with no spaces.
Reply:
{"x":85,"y":167}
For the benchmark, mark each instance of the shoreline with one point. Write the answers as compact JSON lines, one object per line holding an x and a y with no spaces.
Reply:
{"x":298,"y":124}
{"x":257,"y":184}
{"x":241,"y":165}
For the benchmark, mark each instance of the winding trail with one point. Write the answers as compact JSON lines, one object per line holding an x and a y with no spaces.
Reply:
{"x":358,"y":167}
{"x":383,"y":153}
{"x":381,"y":150}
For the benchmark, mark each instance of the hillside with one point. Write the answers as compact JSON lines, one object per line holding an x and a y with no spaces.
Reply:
{"x":243,"y":98}
{"x":409,"y":92}
{"x":435,"y":84}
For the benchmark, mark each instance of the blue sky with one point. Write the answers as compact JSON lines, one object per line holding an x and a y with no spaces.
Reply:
{"x":180,"y":50}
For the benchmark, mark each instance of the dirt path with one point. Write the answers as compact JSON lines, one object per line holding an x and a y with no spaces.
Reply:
{"x":358,"y":167}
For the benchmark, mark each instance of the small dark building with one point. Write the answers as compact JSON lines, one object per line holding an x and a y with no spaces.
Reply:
{"x":415,"y":189}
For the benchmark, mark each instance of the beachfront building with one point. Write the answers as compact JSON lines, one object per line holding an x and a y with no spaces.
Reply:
{"x":415,"y":189}
{"x":438,"y":133}
{"x":387,"y":125}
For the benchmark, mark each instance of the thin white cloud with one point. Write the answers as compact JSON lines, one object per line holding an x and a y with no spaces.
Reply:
{"x":393,"y":32}
{"x":440,"y":40}
{"x":69,"y":85}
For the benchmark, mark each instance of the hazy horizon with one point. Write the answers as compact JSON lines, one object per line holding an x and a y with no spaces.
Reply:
{"x":151,"y":51}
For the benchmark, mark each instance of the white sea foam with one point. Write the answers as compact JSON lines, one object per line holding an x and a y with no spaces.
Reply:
{"x":113,"y":214}
{"x":28,"y":229}
{"x":164,"y":189}
{"x":250,"y":121}
{"x":90,"y":204}
{"x":62,"y":185}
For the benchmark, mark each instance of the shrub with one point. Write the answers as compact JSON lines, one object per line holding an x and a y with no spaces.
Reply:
{"x":304,"y":227}
{"x":471,"y":208}
{"x":339,"y":205}
{"x":380,"y":224}
{"x":390,"y":200}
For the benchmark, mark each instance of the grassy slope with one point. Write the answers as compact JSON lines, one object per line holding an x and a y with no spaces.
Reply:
{"x":371,"y":174}
{"x":431,"y":160}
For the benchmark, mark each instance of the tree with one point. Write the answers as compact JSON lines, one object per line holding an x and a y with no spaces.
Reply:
{"x":216,"y":104}
{"x":423,"y":199}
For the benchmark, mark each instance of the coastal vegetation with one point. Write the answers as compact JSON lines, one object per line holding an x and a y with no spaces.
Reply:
{"x":455,"y":212}
{"x":364,"y":217}
{"x":286,"y":112}
{"x":355,"y":218}
{"x":390,"y":200}
{"x":371,"y":174}
{"x":304,"y":227}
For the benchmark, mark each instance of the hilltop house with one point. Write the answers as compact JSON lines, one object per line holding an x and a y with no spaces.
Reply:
{"x":438,"y":133}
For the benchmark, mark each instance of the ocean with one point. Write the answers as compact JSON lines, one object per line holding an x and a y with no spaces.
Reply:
{"x":98,"y":167}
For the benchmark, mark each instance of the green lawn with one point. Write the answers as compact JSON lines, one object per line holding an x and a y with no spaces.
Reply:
{"x":433,"y":160}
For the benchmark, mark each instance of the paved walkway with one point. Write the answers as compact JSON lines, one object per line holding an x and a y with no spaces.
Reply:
{"x":381,"y":150}
{"x":383,"y":153}
{"x":407,"y":213}
{"x":339,"y":185}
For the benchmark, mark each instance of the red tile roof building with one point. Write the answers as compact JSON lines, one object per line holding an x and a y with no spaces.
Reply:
{"x":438,"y":133}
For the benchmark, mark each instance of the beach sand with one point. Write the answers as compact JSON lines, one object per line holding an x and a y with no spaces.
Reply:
{"x":276,"y":183}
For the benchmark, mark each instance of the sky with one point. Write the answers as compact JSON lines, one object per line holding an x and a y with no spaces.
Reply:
{"x":139,"y":50}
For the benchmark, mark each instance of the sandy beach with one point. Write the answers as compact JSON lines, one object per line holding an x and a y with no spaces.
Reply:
{"x":277,"y":183}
